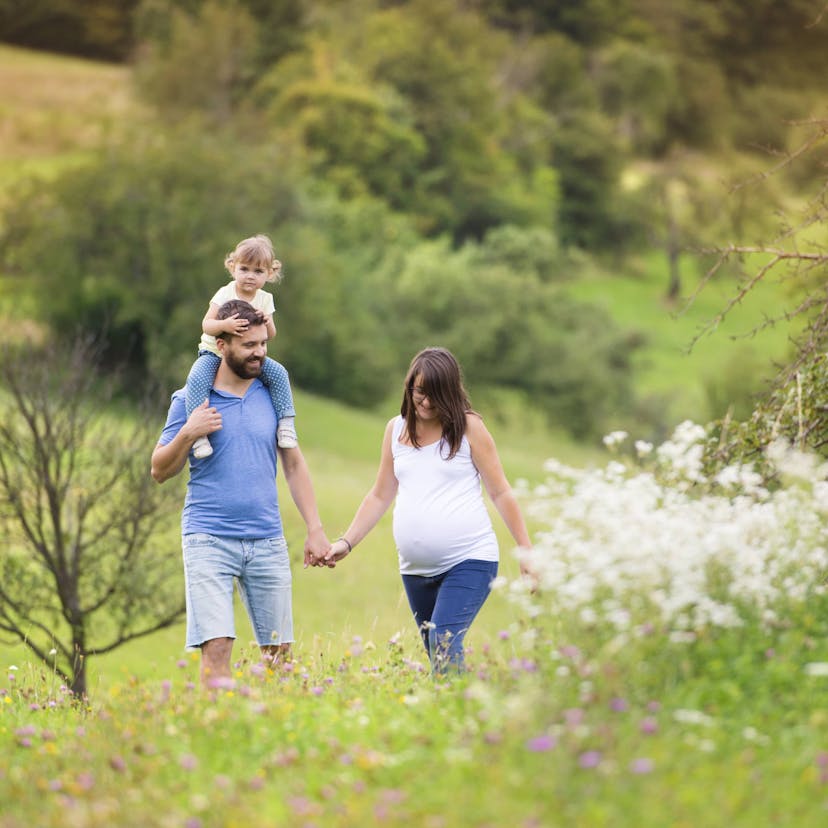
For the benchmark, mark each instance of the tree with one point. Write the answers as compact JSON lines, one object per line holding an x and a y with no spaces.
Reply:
{"x":496,"y":306}
{"x":448,"y":65}
{"x":357,"y":135}
{"x":82,"y":572}
{"x":99,"y":29}
{"x":204,"y":63}
{"x":794,"y":406}
{"x":139,"y":237}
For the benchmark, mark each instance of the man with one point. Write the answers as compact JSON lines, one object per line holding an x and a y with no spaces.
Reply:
{"x":231,"y":524}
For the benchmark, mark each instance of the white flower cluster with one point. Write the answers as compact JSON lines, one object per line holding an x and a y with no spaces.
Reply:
{"x":626,"y":546}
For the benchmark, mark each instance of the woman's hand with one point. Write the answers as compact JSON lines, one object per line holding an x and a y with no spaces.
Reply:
{"x":339,"y":549}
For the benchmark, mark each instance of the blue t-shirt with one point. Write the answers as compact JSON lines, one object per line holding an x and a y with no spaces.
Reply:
{"x":233,"y":491}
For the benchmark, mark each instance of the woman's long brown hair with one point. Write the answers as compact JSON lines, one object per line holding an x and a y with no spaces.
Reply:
{"x":442,"y":383}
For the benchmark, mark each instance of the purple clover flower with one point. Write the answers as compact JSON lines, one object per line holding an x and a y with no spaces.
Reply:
{"x":541,"y":744}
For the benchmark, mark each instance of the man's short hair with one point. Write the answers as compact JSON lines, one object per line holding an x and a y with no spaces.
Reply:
{"x":244,"y":310}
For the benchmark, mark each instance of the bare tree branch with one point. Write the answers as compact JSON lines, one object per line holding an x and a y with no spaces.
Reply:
{"x":79,"y":515}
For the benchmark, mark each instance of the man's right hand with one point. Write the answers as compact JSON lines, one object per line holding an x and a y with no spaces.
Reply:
{"x":204,"y":420}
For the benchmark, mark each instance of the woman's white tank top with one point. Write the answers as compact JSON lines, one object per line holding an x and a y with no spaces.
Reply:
{"x":440,"y":518}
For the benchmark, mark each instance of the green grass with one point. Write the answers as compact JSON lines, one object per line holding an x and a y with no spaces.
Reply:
{"x":670,"y":366}
{"x":55,"y":110}
{"x":720,"y":733}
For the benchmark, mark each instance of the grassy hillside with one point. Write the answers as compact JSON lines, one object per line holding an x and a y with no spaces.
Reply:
{"x":695,"y":380}
{"x":55,"y":109}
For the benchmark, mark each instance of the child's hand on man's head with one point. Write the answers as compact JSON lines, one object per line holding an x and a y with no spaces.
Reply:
{"x":234,"y":325}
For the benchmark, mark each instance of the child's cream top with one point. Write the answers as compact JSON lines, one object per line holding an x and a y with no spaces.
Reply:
{"x":262,"y":301}
{"x":440,"y":518}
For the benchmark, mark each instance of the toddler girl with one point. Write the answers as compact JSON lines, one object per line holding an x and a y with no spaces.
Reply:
{"x":251,"y":264}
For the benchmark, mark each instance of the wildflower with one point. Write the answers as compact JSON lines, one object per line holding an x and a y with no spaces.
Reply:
{"x":614,"y":439}
{"x":641,"y":766}
{"x":540,"y":744}
{"x":692,"y":717}
{"x":188,"y":762}
{"x":817,"y":668}
{"x":618,"y":705}
{"x":574,"y":716}
{"x":85,"y":780}
{"x":117,"y":764}
{"x":648,"y":725}
{"x":751,"y":734}
{"x":589,"y":759}
{"x":643,"y":448}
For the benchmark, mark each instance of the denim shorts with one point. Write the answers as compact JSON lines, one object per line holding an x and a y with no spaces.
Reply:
{"x":260,"y":566}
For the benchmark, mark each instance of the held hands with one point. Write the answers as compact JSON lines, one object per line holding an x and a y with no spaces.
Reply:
{"x":339,"y":549}
{"x":316,"y":547}
{"x":330,"y":556}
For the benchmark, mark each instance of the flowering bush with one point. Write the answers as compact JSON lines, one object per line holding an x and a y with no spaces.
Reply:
{"x":662,"y":541}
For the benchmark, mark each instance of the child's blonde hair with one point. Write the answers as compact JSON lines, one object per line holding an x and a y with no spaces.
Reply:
{"x":256,"y":251}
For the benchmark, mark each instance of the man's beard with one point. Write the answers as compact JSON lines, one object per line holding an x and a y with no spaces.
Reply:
{"x":244,"y":368}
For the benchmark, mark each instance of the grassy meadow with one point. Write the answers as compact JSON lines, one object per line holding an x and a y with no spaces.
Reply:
{"x":562,"y":720}
{"x":54,"y":110}
{"x":566,"y":717}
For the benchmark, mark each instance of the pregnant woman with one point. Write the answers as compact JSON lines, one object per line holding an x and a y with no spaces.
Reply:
{"x":434,"y":457}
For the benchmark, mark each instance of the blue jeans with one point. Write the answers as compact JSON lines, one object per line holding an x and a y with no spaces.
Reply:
{"x":260,"y":566}
{"x":445,"y":605}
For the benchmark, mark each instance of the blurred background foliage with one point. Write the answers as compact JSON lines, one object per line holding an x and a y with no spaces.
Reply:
{"x":431,"y":171}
